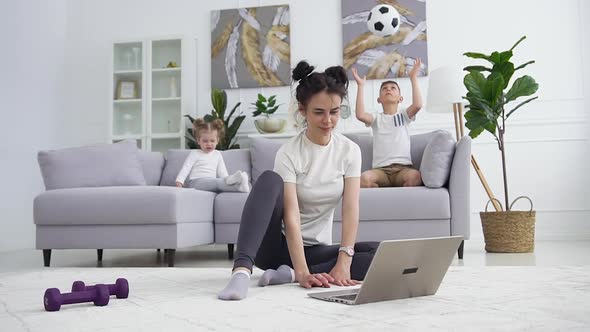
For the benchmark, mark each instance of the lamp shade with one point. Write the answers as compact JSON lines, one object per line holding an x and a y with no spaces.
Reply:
{"x":445,"y":87}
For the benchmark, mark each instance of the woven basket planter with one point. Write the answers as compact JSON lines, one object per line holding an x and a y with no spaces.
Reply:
{"x":509,"y":231}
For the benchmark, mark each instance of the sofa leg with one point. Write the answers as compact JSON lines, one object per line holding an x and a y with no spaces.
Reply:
{"x":46,"y":257}
{"x":99,"y":254}
{"x":171,"y":253}
{"x":158,"y":249}
{"x":460,"y":250}
{"x":230,"y":250}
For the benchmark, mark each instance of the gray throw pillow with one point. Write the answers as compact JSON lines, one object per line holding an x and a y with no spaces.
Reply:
{"x":153,"y":164}
{"x":437,"y":159}
{"x":365,"y":143}
{"x":174,"y":161}
{"x":100,"y":165}
{"x":263,"y":152}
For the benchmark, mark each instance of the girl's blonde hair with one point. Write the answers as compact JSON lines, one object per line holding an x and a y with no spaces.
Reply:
{"x":201,"y":125}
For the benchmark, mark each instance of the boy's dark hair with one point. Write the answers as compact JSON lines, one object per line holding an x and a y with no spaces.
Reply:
{"x":390,"y":82}
{"x":333,"y":80}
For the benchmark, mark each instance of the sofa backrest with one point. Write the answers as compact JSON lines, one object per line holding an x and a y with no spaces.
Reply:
{"x":153,"y":165}
{"x":237,"y":160}
{"x":365,"y":142}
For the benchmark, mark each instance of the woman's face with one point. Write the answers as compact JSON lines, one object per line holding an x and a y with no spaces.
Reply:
{"x":322,"y":113}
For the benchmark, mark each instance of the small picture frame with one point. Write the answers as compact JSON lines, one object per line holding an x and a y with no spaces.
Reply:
{"x":126,"y":89}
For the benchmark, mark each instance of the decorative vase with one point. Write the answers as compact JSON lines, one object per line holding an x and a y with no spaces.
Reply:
{"x":270,"y":126}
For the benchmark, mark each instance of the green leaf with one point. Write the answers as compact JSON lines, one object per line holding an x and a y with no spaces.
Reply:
{"x":475,"y":55}
{"x":256,"y":113}
{"x":233,"y":111}
{"x":260,"y":105}
{"x":493,"y":88}
{"x":475,"y":132}
{"x":261,"y":98}
{"x":477,"y":68}
{"x":190,"y":118}
{"x":219,"y":101}
{"x":491,"y":127}
{"x":499,"y":58}
{"x":475,"y":83}
{"x":524,"y":65}
{"x":272,"y":98}
{"x":519,"y":105}
{"x":507,"y":70}
{"x":523,"y":86}
{"x":209,"y":118}
{"x":518,"y":42}
{"x":476,"y":122}
{"x":271,"y":103}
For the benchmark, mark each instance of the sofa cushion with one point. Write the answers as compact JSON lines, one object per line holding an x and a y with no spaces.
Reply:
{"x":228,"y":207}
{"x":437,"y":159}
{"x":92,"y":166}
{"x":407,"y":203}
{"x":123,"y":206}
{"x":174,"y":160}
{"x":263,"y":152}
{"x":365,"y":143}
{"x":237,"y":159}
{"x":153,"y":164}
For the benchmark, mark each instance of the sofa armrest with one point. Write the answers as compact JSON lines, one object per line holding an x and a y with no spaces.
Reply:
{"x":459,"y":188}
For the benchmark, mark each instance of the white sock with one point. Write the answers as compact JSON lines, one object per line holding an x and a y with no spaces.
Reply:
{"x":244,"y":185}
{"x":233,"y":179}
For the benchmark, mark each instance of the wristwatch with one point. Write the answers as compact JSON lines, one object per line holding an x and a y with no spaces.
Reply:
{"x":348,"y":250}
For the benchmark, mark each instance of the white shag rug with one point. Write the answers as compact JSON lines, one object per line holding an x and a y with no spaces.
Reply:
{"x":184,"y":299}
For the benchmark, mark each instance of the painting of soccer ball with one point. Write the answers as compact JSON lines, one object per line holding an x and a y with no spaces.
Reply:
{"x":383,"y":38}
{"x":250,"y":47}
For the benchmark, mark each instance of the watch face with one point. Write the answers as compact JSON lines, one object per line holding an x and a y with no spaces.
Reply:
{"x":350,"y":251}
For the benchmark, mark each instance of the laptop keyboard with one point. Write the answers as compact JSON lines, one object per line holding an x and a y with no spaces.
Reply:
{"x":350,"y":297}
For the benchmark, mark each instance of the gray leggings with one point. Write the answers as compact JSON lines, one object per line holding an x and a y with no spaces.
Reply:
{"x":211,"y":184}
{"x":261,"y":242}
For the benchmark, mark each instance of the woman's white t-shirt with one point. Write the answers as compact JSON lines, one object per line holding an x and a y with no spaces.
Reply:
{"x":318,"y":172}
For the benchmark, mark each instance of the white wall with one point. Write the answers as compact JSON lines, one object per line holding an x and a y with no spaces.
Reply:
{"x":33,"y":42}
{"x":545,"y":139}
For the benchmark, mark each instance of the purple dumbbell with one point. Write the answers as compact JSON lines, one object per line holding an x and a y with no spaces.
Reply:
{"x":53,"y":299}
{"x":120,"y":288}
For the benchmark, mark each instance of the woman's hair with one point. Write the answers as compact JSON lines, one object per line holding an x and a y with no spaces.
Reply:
{"x":334,"y":81}
{"x":201,"y":125}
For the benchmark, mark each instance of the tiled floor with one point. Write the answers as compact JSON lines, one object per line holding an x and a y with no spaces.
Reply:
{"x":547,"y":253}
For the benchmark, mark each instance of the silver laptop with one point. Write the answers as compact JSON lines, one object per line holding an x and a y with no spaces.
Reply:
{"x":399,"y":270}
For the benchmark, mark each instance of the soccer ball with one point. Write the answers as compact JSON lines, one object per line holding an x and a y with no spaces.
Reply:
{"x":383,"y":20}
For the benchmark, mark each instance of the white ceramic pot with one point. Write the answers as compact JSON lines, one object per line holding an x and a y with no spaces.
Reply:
{"x":270,"y":126}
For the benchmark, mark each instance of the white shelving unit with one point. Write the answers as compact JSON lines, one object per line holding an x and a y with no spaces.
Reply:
{"x":153,"y":114}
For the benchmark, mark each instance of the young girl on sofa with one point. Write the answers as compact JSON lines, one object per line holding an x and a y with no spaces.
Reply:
{"x":204,"y":168}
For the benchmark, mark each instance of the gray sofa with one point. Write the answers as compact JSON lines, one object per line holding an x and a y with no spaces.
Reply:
{"x":159,"y":215}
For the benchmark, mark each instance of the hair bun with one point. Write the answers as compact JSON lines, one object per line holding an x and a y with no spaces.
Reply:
{"x":302,"y":70}
{"x":337,"y":73}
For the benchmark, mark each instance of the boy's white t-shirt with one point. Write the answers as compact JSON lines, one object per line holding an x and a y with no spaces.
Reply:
{"x":391,"y":139}
{"x":318,"y":172}
{"x":202,"y":165}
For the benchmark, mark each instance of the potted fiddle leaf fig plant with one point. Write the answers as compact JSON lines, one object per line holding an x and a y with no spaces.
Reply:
{"x":267,"y":107}
{"x":492,"y":101}
{"x":219,"y":101}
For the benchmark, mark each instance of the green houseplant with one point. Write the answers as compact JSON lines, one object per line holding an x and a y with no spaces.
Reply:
{"x":219,"y":102}
{"x":267,"y":107}
{"x":491,"y":103}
